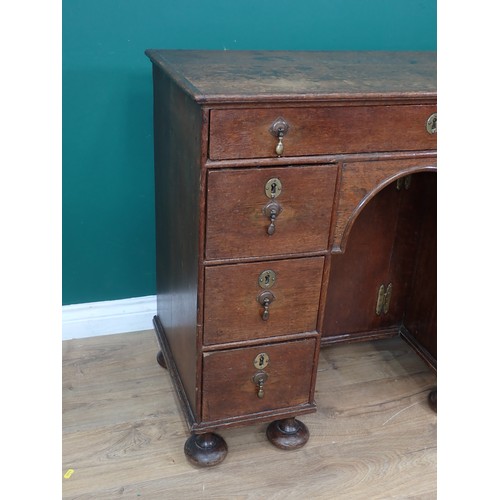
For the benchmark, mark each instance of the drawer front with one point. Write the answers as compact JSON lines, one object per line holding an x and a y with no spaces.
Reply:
{"x":245,"y":133}
{"x":232,"y":292}
{"x":229,"y":388}
{"x":238,"y":208}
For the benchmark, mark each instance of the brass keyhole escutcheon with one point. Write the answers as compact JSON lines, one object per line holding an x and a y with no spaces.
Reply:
{"x":261,"y":360}
{"x":431,"y":124}
{"x":267,"y":279}
{"x":273,"y":188}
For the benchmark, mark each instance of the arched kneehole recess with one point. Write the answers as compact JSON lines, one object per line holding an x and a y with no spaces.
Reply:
{"x":382,"y":275}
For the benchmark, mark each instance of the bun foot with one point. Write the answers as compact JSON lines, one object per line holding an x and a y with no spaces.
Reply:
{"x":160,"y":358}
{"x":433,"y":399}
{"x":288,"y":434}
{"x":205,"y":450}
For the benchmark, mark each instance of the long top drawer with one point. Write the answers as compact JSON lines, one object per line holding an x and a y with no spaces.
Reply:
{"x":321,"y":130}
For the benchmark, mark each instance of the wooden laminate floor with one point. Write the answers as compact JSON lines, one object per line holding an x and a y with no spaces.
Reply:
{"x":373,"y":436}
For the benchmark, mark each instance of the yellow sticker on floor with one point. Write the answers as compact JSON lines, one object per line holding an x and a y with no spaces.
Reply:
{"x":68,"y":473}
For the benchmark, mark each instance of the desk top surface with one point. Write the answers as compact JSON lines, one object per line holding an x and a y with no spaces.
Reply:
{"x":265,"y":75}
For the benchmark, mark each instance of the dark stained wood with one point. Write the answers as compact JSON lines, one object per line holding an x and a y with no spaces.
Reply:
{"x":421,"y":315}
{"x":273,"y":76}
{"x":198,"y":368}
{"x":228,"y":388}
{"x":245,"y":419}
{"x":177,"y":128}
{"x":356,"y":274}
{"x":245,"y":133}
{"x":237,"y":225}
{"x":413,"y":202}
{"x":363,"y":336}
{"x":317,"y":159}
{"x":205,"y":450}
{"x":357,"y":122}
{"x":171,"y":364}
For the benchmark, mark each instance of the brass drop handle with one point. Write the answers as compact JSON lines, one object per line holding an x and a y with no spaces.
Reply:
{"x":265,"y":313}
{"x":258,"y":379}
{"x":280,"y":146}
{"x":272,"y":210}
{"x":260,"y":393}
{"x":265,"y":299}
{"x":279,"y":128}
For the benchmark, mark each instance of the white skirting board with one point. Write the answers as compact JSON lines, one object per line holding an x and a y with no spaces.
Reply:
{"x":108,"y":317}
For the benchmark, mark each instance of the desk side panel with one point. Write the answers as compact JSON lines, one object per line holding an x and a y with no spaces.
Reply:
{"x":177,"y":126}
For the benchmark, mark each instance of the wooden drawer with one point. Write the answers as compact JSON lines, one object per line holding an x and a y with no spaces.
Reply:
{"x":245,"y":133}
{"x":237,"y":224}
{"x":228,"y":388}
{"x":232,"y":309}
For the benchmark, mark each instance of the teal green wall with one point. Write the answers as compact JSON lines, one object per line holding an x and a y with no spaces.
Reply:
{"x":108,"y":194}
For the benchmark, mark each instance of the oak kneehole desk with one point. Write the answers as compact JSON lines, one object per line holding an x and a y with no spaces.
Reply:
{"x":295,"y":208}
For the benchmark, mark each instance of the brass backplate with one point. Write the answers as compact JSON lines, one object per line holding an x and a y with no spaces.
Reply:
{"x":279,"y":127}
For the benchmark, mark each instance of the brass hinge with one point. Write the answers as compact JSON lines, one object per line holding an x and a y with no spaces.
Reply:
{"x":403,"y":181}
{"x":383,"y":299}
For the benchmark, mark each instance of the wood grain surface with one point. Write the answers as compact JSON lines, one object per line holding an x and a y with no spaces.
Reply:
{"x":373,"y":435}
{"x":245,"y":76}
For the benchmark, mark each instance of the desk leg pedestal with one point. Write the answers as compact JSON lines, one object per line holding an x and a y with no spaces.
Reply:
{"x":205,"y":450}
{"x":160,"y":359}
{"x":288,"y":434}
{"x":433,"y":399}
